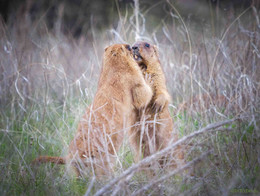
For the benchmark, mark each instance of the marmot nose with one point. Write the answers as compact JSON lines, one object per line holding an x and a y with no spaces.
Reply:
{"x":134,"y":47}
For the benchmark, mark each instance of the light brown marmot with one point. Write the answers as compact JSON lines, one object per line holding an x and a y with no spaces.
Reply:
{"x":121,"y":91}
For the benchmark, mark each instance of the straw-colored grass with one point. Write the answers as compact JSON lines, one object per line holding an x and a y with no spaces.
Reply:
{"x":48,"y":78}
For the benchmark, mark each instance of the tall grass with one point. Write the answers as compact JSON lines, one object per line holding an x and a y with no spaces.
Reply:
{"x":48,"y":78}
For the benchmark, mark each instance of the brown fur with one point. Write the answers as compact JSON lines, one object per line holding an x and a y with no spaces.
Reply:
{"x":155,"y":132}
{"x":121,"y":91}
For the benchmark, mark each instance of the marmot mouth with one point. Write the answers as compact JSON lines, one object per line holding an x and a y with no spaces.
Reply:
{"x":137,"y":56}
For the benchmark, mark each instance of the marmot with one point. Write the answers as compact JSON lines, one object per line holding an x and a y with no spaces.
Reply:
{"x":121,"y":91}
{"x":156,"y":126}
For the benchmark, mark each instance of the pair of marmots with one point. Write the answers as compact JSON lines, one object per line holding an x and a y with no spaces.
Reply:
{"x":131,"y":96}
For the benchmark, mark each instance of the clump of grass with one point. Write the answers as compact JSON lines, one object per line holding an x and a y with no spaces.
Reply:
{"x":49,"y":78}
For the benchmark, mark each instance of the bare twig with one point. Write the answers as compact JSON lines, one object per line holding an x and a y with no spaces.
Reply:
{"x":148,"y":160}
{"x":187,"y":165}
{"x":90,"y":186}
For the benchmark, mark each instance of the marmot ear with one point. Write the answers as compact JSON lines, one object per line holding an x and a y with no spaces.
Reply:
{"x":106,"y":48}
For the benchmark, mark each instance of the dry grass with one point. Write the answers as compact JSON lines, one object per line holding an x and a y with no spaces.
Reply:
{"x":49,"y":78}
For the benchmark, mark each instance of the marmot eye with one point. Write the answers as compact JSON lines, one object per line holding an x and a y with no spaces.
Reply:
{"x":128,"y":47}
{"x":147,"y":45}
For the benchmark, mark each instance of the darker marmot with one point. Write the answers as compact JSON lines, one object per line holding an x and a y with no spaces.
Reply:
{"x":155,"y":130}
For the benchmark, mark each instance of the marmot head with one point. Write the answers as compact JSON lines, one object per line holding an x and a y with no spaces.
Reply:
{"x":118,"y":56}
{"x":117,"y":50}
{"x":144,"y":53}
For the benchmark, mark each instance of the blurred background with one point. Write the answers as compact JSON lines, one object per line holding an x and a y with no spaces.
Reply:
{"x":78,"y":16}
{"x":50,"y":25}
{"x":50,"y":60}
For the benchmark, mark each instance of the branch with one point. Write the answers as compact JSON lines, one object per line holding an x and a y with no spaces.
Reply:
{"x":187,"y":165}
{"x":147,"y":160}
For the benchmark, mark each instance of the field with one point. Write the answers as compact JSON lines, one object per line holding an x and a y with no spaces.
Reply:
{"x":48,"y":78}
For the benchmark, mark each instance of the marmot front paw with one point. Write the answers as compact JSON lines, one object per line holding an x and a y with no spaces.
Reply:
{"x":159,"y":103}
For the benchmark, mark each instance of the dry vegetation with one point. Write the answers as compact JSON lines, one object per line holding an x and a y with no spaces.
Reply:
{"x":48,"y":78}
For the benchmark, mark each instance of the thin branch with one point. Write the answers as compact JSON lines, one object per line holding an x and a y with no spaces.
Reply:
{"x":187,"y":165}
{"x":90,"y":186}
{"x":148,"y":160}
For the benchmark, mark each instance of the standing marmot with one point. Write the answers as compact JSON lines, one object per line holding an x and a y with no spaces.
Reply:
{"x":121,"y":91}
{"x":155,"y":132}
